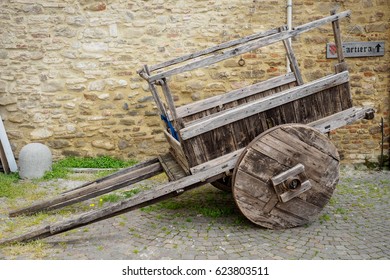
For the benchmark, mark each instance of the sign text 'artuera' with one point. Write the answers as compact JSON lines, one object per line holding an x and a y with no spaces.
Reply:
{"x":357,"y":49}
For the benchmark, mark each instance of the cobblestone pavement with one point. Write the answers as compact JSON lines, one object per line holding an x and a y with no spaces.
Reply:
{"x":204,"y":224}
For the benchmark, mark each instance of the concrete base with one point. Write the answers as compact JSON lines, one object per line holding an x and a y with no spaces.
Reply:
{"x":34,"y":160}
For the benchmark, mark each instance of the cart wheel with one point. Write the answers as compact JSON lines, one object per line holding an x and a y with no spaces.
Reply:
{"x":285,"y":176}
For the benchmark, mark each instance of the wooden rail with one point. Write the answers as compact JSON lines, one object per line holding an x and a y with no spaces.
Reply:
{"x":246,"y":47}
{"x":220,"y":100}
{"x":238,"y":113}
{"x":216,"y":48}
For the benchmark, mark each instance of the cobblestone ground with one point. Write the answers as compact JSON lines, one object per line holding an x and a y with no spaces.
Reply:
{"x":204,"y":224}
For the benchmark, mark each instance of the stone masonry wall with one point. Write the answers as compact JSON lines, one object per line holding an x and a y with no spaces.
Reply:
{"x":68,"y":68}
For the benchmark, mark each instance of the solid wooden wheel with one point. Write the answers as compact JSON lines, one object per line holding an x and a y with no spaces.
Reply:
{"x":285,"y":176}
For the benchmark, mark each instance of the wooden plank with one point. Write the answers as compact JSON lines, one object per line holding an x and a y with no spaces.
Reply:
{"x":311,"y":138}
{"x":341,"y":119}
{"x":285,"y":219}
{"x":299,"y":168}
{"x":169,"y":99}
{"x":283,"y":139}
{"x":118,"y":173}
{"x":337,"y":38}
{"x":293,"y":62}
{"x":234,"y":95}
{"x":246,"y":197}
{"x":287,"y":196}
{"x":345,"y":96}
{"x":252,"y":186}
{"x":155,"y":95}
{"x":145,"y":198}
{"x":92,"y":190}
{"x":270,"y":204}
{"x":238,"y":134}
{"x":317,"y":168}
{"x":278,"y":99}
{"x":249,"y":46}
{"x":4,"y":161}
{"x":171,"y":167}
{"x":300,"y":208}
{"x":225,"y":161}
{"x":219,"y":47}
{"x":177,"y":151}
{"x":173,"y":142}
{"x":8,"y":160}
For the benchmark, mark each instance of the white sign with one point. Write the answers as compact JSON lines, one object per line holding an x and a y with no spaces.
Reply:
{"x":357,"y":49}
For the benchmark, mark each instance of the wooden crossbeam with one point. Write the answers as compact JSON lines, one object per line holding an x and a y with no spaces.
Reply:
{"x":142,"y":199}
{"x":247,"y":47}
{"x":343,"y":118}
{"x":93,"y":189}
{"x":219,"y":47}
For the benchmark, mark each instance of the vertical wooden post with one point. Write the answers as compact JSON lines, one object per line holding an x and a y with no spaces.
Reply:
{"x":293,"y":62}
{"x":154,"y":92}
{"x":6,"y":155}
{"x":171,"y":104}
{"x":341,"y":66}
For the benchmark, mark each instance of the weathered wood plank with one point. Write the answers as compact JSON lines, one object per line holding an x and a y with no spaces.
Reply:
{"x":285,"y":219}
{"x":3,"y":158}
{"x":337,"y":38}
{"x":300,"y":208}
{"x":171,"y":104}
{"x":238,"y":134}
{"x":311,"y":138}
{"x":252,"y":186}
{"x":299,"y":168}
{"x":271,"y":203}
{"x":234,"y":95}
{"x":177,"y":151}
{"x":219,"y":47}
{"x":118,"y":173}
{"x":249,"y":46}
{"x":227,"y":160}
{"x":345,"y":96}
{"x":341,"y":119}
{"x":293,"y":62}
{"x":248,"y":197}
{"x":92,"y":190}
{"x":220,"y":119}
{"x":287,"y":196}
{"x":155,"y":95}
{"x":149,"y":197}
{"x":171,"y":167}
{"x":8,"y":158}
{"x":295,"y":148}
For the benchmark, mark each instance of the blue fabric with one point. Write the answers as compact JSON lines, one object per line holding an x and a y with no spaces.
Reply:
{"x":171,"y":128}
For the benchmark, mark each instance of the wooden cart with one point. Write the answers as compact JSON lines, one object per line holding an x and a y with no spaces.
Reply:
{"x":264,"y":142}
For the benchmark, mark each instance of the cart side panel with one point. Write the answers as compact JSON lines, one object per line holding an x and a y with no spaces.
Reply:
{"x":233,"y":136}
{"x":230,"y":137}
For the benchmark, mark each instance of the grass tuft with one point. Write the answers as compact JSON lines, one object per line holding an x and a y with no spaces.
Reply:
{"x":8,"y":186}
{"x":60,"y":169}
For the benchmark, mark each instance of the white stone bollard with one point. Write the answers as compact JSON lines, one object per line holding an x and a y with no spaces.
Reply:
{"x":34,"y":160}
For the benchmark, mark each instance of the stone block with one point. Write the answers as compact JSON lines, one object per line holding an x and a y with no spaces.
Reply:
{"x":3,"y":86}
{"x":41,"y":133}
{"x":34,"y":160}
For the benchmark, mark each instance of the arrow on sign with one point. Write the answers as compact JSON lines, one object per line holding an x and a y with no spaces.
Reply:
{"x":378,"y":47}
